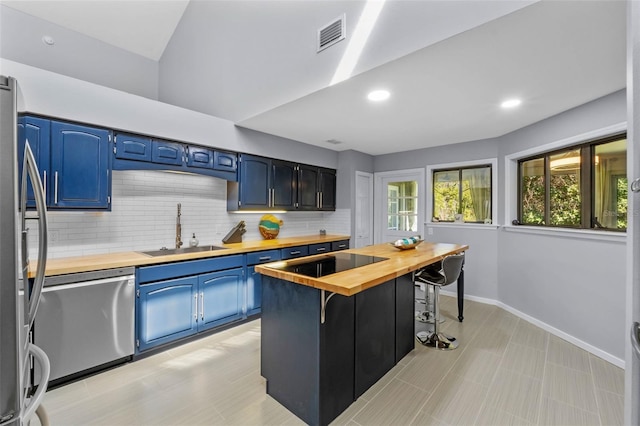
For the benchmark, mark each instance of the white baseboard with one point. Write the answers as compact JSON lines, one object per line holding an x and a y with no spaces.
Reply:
{"x":556,"y":332}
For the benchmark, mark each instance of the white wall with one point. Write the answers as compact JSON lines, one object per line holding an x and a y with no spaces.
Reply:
{"x":143,"y":217}
{"x":574,"y":287}
{"x":75,"y":55}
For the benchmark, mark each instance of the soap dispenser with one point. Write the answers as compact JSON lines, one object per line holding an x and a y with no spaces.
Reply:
{"x":193,"y":242}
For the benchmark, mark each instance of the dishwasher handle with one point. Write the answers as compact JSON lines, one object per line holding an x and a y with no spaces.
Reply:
{"x":130,"y":279}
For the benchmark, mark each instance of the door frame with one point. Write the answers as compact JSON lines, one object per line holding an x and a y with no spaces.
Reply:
{"x":380,"y":198}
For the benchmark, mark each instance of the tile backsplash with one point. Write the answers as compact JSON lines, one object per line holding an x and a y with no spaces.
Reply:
{"x":143,"y":217}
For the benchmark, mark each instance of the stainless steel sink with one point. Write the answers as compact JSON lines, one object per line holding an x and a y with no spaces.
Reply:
{"x":166,"y":251}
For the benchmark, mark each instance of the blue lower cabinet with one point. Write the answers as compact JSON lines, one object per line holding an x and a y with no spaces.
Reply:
{"x":166,"y":311}
{"x":220,"y":298}
{"x":254,"y":291}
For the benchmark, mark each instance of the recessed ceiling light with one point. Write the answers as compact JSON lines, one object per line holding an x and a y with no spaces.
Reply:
{"x":48,"y":40}
{"x":378,"y":95}
{"x":511,"y":103}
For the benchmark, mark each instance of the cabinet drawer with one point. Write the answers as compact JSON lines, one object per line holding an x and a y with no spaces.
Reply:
{"x":190,"y":267}
{"x":225,"y":161}
{"x":339,"y":245}
{"x":319,"y":248}
{"x":263,"y":257}
{"x":167,"y":153}
{"x":130,"y":147}
{"x":291,"y":252}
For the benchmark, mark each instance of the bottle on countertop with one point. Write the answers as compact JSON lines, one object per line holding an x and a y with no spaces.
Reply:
{"x":193,"y":242}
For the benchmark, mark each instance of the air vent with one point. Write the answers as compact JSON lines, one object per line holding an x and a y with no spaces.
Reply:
{"x":333,"y":141}
{"x":331,"y":33}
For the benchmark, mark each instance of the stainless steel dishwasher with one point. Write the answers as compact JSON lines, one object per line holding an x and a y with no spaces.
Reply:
{"x":86,"y":321}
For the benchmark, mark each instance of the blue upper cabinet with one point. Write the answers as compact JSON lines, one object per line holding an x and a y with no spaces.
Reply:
{"x":142,"y":153}
{"x":79,"y":167}
{"x":264,"y":184}
{"x":316,"y":188}
{"x":199,"y":157}
{"x":167,"y":153}
{"x":255,"y":182}
{"x":37,"y":132}
{"x":73,"y":161}
{"x":133,"y":147}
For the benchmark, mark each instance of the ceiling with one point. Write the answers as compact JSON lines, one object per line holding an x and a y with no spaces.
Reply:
{"x":554,"y":55}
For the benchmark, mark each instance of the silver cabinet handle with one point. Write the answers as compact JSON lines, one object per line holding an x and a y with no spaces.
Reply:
{"x":202,"y":306}
{"x":195,"y":307}
{"x":55,"y":188}
{"x":263,"y":258}
{"x":321,"y":200}
{"x":342,"y":245}
{"x":635,"y":339}
{"x":30,"y":168}
{"x":269,"y":198}
{"x":321,"y":249}
{"x":273,"y":197}
{"x":295,"y":252}
{"x":317,"y":200}
{"x":44,"y":183}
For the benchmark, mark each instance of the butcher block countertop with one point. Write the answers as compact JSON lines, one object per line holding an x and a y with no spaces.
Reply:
{"x":69,"y":265}
{"x":352,"y":281}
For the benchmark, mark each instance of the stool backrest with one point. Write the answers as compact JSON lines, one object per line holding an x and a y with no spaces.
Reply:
{"x":451,"y":267}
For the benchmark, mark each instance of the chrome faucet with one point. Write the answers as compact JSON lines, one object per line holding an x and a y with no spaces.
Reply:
{"x":179,"y":228}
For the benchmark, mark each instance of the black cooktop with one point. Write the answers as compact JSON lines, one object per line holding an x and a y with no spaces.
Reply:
{"x":331,"y":264}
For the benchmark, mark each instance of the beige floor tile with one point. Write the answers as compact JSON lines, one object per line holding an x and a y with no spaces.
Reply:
{"x":565,"y":354}
{"x":455,"y":401}
{"x":524,"y":360}
{"x":611,"y":407}
{"x":606,"y":375}
{"x":428,"y":368}
{"x":491,"y":416}
{"x":554,"y":412}
{"x":477,"y":365}
{"x":398,"y":405}
{"x":494,"y":375}
{"x":529,"y":335}
{"x":569,"y":386}
{"x":515,"y":394}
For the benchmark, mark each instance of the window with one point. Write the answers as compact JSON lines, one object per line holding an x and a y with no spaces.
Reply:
{"x":462,"y":191}
{"x":583,"y":186}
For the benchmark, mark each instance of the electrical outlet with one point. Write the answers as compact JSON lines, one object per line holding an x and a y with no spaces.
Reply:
{"x":54,"y":236}
{"x":430,"y":231}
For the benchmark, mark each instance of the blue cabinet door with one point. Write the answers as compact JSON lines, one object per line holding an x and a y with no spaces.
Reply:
{"x":37,"y":132}
{"x":308,"y":198}
{"x":254,"y":291}
{"x":327,"y":189}
{"x":79,"y":166}
{"x":167,"y":153}
{"x":131,"y":147}
{"x":284,"y":181}
{"x":166,"y":311}
{"x":220,"y":298}
{"x":225,"y":161}
{"x":199,"y":157}
{"x":255,"y":182}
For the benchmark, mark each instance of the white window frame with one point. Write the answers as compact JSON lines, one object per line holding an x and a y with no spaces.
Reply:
{"x":511,"y":188}
{"x":462,"y":165}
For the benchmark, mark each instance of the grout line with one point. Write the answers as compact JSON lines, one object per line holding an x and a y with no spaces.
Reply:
{"x":595,"y":390}
{"x":544,"y":374}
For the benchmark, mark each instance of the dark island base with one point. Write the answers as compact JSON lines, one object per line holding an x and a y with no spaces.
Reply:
{"x":317,"y":369}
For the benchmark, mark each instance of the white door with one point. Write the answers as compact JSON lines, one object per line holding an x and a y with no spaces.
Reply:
{"x":632,"y":358}
{"x":400,"y":204}
{"x":364,"y":209}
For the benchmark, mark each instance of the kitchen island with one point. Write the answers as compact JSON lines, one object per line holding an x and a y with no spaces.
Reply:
{"x":329,"y":332}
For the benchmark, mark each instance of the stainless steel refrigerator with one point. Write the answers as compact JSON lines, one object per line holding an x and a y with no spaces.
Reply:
{"x":19,"y":399}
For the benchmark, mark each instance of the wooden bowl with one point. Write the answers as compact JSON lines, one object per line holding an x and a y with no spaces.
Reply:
{"x":407,"y":246}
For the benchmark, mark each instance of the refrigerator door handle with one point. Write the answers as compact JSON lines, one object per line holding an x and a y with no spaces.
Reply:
{"x":635,"y":339}
{"x":34,"y":402}
{"x":30,"y":168}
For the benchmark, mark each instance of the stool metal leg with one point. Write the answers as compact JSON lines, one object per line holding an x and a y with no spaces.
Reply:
{"x":426,"y":316}
{"x":437,"y":339}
